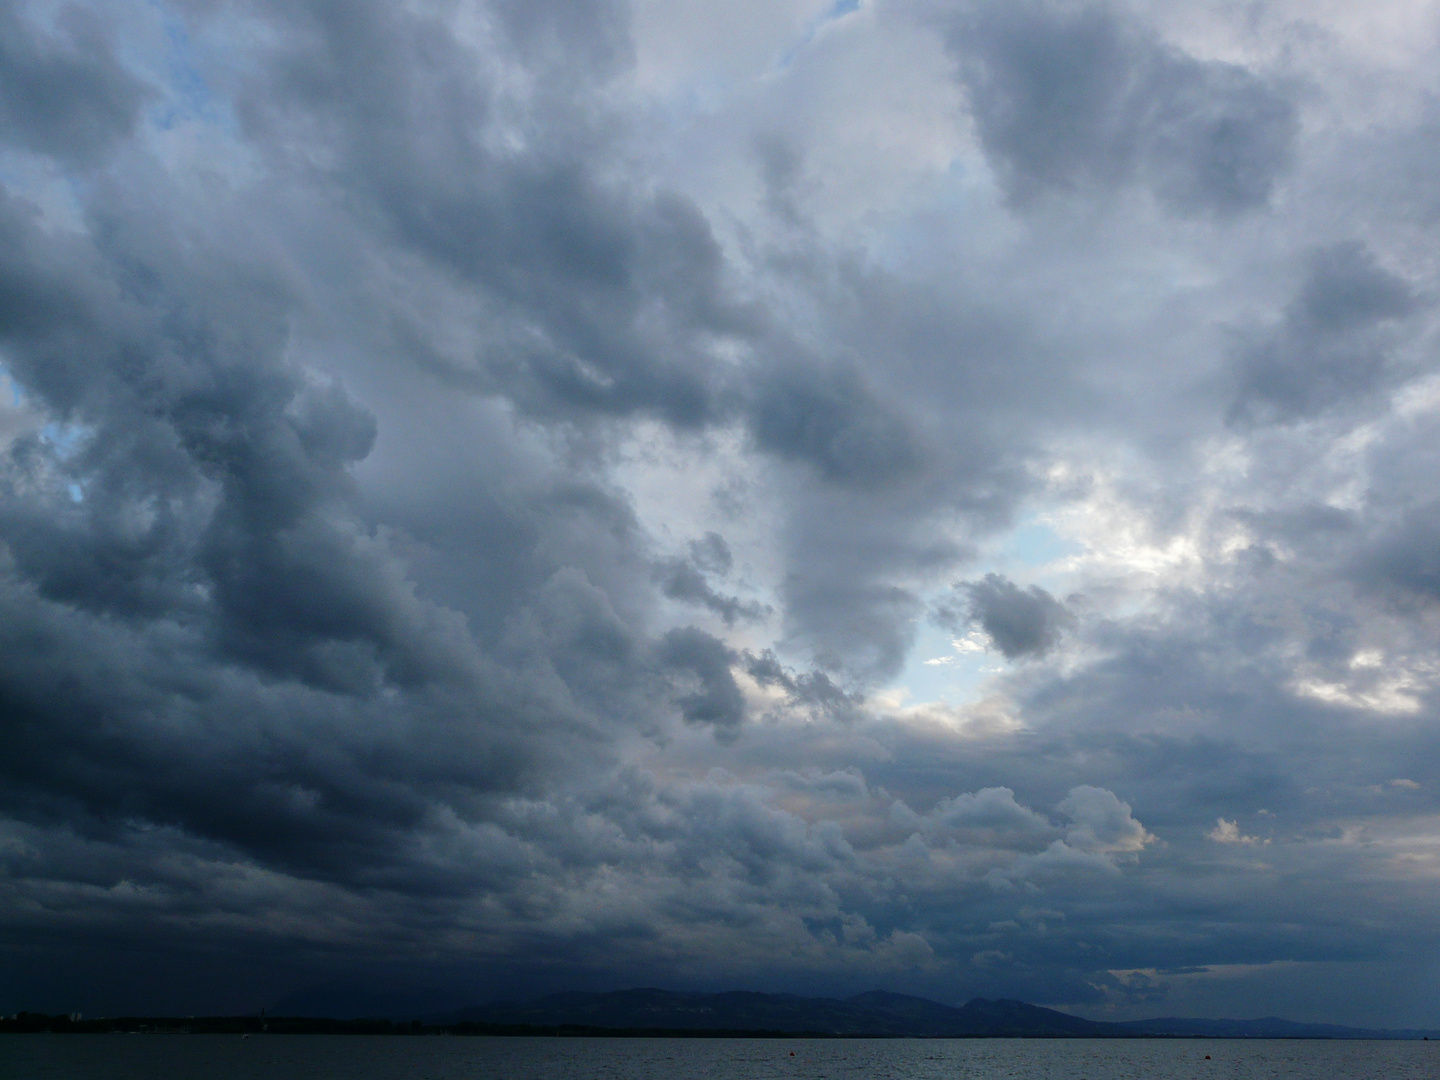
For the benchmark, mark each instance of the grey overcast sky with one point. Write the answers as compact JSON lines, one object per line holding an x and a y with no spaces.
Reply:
{"x":501,"y":496}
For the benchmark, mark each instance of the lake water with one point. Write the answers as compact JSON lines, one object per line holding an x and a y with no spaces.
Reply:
{"x":358,"y":1057}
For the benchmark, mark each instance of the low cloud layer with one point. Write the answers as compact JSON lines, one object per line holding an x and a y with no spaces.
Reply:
{"x":510,"y":497}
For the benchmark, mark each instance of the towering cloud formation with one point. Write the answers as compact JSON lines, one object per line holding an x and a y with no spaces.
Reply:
{"x":483,"y":487}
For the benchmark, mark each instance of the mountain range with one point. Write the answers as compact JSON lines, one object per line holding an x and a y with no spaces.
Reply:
{"x":875,"y":1013}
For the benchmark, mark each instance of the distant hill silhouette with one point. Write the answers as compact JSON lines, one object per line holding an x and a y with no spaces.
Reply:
{"x":664,"y":1012}
{"x":873,"y":1013}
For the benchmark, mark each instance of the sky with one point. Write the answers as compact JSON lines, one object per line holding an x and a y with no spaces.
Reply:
{"x":508,"y":496}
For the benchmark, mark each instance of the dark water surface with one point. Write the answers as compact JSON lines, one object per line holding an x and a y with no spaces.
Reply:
{"x":359,"y":1057}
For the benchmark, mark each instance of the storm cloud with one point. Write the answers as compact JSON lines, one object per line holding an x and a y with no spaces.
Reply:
{"x":924,"y":495}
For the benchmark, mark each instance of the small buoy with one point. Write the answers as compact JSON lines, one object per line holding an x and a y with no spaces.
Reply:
{"x":792,"y":1053}
{"x":1207,"y":1057}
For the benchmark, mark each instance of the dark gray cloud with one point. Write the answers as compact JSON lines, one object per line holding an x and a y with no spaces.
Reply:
{"x":716,"y":699}
{"x":682,"y":581}
{"x":1069,"y":96}
{"x":711,"y":554}
{"x":472,"y":485}
{"x":1332,"y":346}
{"x":63,"y":91}
{"x":1021,"y":622}
{"x":1403,"y":562}
{"x":829,"y":418}
{"x":688,"y":580}
{"x":862,"y":629}
{"x":576,"y":262}
{"x":813,"y":691}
